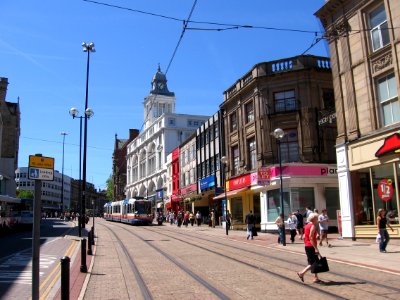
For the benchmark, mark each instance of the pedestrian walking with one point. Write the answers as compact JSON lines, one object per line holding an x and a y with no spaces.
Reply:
{"x":292,"y":223}
{"x":323,"y":221}
{"x":300,"y":224}
{"x":315,"y":211}
{"x":213,"y":218}
{"x":191,"y":218}
{"x":382,"y":222}
{"x":179,"y":218}
{"x":198,"y":218}
{"x":171,"y":217}
{"x":279,"y":222}
{"x":228,"y":219}
{"x":307,"y":214}
{"x":186,"y":219}
{"x":310,"y":246}
{"x":250,"y":221}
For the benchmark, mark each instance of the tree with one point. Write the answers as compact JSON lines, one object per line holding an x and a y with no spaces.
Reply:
{"x":110,"y":189}
{"x":26,"y":194}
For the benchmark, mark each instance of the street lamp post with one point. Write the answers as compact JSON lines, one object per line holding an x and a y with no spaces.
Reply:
{"x":279,"y":134}
{"x":75,"y":114}
{"x":224,"y":161}
{"x":62,"y":174}
{"x":86,"y":48}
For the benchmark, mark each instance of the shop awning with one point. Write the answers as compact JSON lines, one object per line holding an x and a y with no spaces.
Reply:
{"x":230,"y":193}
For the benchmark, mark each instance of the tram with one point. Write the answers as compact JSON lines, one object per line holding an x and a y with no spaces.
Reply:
{"x":137,"y":210}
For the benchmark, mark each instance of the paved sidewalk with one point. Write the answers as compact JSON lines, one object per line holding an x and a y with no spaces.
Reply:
{"x":363,"y":253}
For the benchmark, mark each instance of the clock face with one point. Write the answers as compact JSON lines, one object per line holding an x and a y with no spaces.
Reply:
{"x":160,"y":85}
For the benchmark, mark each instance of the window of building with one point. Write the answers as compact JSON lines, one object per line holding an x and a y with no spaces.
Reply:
{"x":171,"y":121}
{"x":207,"y":133}
{"x":293,"y":199}
{"x":237,"y":210}
{"x":285,"y":101}
{"x":289,"y":145}
{"x":212,"y":163}
{"x":379,"y":28}
{"x":252,"y":153}
{"x":235,"y":156}
{"x":249,"y":108}
{"x":388,"y":100}
{"x":216,"y":127}
{"x":328,"y":99}
{"x":233,"y":121}
{"x":212,"y":130}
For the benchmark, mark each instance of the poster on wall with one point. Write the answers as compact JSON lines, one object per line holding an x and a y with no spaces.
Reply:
{"x":385,"y":189}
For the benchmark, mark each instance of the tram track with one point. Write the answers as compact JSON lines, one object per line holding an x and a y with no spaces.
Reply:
{"x":280,"y":277}
{"x":139,"y":279}
{"x":355,"y":280}
{"x":143,"y":287}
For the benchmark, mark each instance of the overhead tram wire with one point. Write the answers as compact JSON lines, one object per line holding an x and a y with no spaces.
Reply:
{"x":228,"y":25}
{"x":172,"y":57}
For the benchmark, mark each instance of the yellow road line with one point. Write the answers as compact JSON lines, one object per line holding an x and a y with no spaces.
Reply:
{"x":55,"y":269}
{"x":69,"y":251}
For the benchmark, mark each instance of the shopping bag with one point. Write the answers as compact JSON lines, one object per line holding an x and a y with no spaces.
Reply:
{"x":254,"y":231}
{"x":378,"y":238}
{"x":320,"y":265}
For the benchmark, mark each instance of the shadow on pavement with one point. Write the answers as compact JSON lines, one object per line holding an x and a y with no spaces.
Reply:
{"x":332,"y":283}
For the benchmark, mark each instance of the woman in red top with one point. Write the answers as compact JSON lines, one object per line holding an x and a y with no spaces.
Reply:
{"x":310,"y":245}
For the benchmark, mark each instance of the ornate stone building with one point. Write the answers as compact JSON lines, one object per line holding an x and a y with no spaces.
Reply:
{"x":296,"y":95}
{"x":164,"y":130}
{"x":363,"y":37}
{"x":9,"y":141}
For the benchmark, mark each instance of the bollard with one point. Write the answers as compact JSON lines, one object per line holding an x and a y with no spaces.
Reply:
{"x":83,"y":256}
{"x":65,"y":261}
{"x":89,"y":250}
{"x":93,"y":236}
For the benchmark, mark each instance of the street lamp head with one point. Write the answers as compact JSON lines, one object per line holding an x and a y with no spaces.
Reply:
{"x":74,"y":112}
{"x":88,"y":47}
{"x":278,"y":133}
{"x":89,"y":112}
{"x":224,"y":160}
{"x":63,"y":133}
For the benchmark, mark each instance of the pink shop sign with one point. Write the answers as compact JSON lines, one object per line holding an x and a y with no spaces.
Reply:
{"x":322,"y":170}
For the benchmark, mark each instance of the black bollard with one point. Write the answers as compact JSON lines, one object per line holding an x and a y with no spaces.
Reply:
{"x":89,"y":250}
{"x":93,"y":236}
{"x":83,"y":256}
{"x":65,"y":261}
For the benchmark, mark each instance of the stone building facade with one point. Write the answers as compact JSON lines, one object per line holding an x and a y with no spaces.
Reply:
{"x":364,"y":40}
{"x":9,"y":141}
{"x":296,"y":95}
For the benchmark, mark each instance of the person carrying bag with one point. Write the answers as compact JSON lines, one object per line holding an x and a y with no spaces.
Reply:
{"x":320,"y":265}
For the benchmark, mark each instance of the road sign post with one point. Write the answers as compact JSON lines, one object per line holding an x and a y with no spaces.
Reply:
{"x":40,"y":168}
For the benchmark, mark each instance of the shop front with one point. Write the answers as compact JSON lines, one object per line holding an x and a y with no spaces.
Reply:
{"x":176,"y":203}
{"x":304,"y":185}
{"x":371,"y":183}
{"x":242,"y":196}
{"x":203,"y":202}
{"x":189,"y":195}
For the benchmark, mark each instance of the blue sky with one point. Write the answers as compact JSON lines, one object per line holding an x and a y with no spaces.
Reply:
{"x":41,"y":55}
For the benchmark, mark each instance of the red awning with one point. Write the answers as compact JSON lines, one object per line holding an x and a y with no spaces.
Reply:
{"x":230,"y":193}
{"x":176,"y":198}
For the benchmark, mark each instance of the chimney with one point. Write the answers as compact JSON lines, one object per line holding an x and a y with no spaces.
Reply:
{"x":3,"y":88}
{"x":133,"y":133}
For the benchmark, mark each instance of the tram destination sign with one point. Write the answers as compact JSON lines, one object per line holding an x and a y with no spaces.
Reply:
{"x":41,"y":168}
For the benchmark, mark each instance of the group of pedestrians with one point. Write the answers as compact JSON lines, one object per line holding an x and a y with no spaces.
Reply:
{"x":296,"y":222}
{"x":184,"y":218}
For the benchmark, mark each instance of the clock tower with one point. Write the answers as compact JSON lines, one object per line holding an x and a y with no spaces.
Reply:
{"x":160,"y":100}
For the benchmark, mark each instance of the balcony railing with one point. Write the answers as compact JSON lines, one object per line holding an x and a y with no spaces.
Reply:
{"x":283,"y":106}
